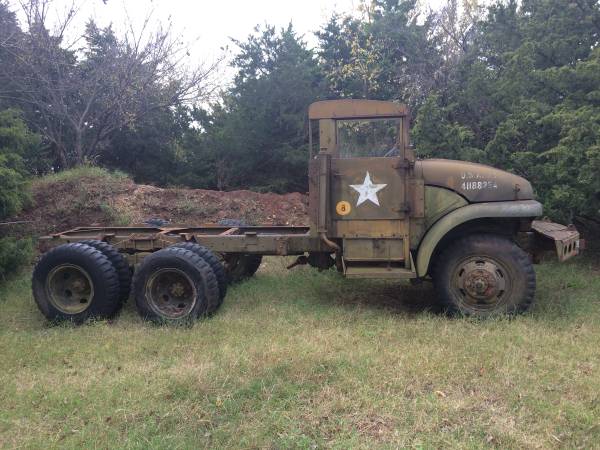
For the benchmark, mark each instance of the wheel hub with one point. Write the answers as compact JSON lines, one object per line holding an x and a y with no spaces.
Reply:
{"x":177,"y":289}
{"x":480,"y":281}
{"x":69,"y":288}
{"x":171,"y":293}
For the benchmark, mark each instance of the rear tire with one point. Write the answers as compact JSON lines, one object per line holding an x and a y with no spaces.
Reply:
{"x":484,"y":275}
{"x":75,"y":282}
{"x":119,"y":262}
{"x":239,"y":266}
{"x":174,"y":285}
{"x":212,"y":260}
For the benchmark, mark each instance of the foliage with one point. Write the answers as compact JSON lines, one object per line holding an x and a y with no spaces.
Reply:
{"x":385,"y":54}
{"x":257,"y":138}
{"x":523,"y":96}
{"x":79,"y":95}
{"x":14,"y":253}
{"x":510,"y":83}
{"x":16,"y":144}
{"x":78,"y":173}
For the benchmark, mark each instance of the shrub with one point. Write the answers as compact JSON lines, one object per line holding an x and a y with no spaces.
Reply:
{"x":13,"y":255}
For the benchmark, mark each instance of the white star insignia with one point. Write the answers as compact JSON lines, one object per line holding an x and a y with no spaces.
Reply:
{"x":367,"y":190}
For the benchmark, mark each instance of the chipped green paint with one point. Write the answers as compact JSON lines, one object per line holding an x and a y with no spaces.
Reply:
{"x":523,"y":208}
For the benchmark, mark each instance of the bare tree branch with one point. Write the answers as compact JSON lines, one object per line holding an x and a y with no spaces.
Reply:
{"x":81,"y":97}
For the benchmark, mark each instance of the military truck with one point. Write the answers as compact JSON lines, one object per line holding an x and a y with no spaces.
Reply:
{"x":375,"y":211}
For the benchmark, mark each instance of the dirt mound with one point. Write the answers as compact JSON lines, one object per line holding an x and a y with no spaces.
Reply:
{"x":61,"y":203}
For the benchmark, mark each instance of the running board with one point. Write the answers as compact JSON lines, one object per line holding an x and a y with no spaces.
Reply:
{"x":396,"y":273}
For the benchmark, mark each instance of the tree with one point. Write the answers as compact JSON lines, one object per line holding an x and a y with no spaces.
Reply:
{"x":151,"y":151}
{"x":257,"y":137}
{"x":385,"y":54}
{"x":524,"y":93}
{"x":16,"y":141}
{"x":77,"y":98}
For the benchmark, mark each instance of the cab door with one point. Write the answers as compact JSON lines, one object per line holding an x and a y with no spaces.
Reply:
{"x":369,"y":182}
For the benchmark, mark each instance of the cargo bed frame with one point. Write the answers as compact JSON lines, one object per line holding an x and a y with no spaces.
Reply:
{"x":139,"y":241}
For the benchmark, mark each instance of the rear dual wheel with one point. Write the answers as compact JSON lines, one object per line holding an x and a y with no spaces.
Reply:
{"x":213,"y":261}
{"x":76,"y":282}
{"x":118,"y":261}
{"x":239,"y":266}
{"x":175,"y":285}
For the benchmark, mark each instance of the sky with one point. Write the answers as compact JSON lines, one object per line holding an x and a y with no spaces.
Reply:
{"x":208,"y":25}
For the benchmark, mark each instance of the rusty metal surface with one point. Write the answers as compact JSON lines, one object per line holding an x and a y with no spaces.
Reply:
{"x":355,"y":109}
{"x":349,"y":174}
{"x":512,"y":209}
{"x":364,"y":197}
{"x":313,"y":195}
{"x":275,"y":240}
{"x":373,"y":250}
{"x":475,"y":182}
{"x":565,"y":238}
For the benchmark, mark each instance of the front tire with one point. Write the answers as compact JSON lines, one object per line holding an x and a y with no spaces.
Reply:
{"x":483,"y":276}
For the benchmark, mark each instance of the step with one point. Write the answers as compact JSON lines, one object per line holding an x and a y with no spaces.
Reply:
{"x":398,"y":273}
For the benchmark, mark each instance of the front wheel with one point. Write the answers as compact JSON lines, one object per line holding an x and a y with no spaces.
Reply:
{"x":483,"y":276}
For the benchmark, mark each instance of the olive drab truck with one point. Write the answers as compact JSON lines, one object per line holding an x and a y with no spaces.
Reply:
{"x":375,"y":211}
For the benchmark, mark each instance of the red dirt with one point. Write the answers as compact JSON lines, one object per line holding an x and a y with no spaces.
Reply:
{"x":95,"y":201}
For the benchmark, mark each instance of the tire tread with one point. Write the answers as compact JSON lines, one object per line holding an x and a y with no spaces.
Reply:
{"x":209,"y":281}
{"x":441,"y":271}
{"x":105,"y":308}
{"x":118,"y":261}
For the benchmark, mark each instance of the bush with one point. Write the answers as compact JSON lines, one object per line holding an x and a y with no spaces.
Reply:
{"x":13,"y":255}
{"x":16,"y":143}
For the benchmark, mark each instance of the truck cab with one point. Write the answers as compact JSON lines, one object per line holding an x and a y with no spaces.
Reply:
{"x":468,"y":226}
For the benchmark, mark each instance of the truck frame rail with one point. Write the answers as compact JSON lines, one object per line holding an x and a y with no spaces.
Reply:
{"x":138,"y":241}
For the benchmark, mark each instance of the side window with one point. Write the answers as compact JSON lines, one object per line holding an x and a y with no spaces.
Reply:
{"x":368,"y":138}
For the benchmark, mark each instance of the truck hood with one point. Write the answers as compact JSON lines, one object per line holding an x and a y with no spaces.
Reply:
{"x":475,"y":182}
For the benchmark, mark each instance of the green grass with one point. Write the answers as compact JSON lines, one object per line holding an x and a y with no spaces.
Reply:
{"x":303,"y":359}
{"x":86,"y":171}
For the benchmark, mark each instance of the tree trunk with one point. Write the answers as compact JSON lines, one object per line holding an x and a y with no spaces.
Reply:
{"x":78,"y":147}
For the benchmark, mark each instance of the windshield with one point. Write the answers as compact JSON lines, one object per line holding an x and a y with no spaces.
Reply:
{"x":368,"y":138}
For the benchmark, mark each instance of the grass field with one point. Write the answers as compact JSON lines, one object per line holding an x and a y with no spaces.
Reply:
{"x":303,"y":359}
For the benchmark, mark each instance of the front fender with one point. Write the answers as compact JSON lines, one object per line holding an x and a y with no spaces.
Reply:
{"x":523,"y":208}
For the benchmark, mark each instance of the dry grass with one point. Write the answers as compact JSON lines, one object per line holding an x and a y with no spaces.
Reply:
{"x":304,"y":359}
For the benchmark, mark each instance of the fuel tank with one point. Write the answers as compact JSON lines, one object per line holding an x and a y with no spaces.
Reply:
{"x":475,"y":182}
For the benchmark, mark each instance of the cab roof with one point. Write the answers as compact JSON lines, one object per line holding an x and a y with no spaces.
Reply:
{"x":355,"y":109}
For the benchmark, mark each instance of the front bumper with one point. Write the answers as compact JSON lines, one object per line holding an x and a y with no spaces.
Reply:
{"x":565,"y":240}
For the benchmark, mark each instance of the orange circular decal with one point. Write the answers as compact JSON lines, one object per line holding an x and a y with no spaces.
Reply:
{"x":343,"y":208}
